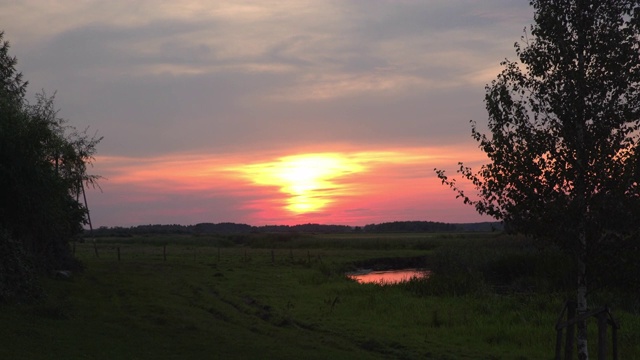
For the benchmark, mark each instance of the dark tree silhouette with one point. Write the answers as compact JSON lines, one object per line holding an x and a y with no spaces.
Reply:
{"x":564,"y":129}
{"x":43,"y":164}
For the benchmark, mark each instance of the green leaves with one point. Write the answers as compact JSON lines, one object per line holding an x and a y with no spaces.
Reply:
{"x":564,"y":125}
{"x":43,"y":163}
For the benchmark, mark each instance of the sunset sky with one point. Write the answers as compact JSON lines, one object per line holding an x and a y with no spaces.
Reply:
{"x":270,"y":112}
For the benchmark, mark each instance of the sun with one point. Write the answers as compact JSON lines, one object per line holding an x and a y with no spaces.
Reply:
{"x":308,"y":180}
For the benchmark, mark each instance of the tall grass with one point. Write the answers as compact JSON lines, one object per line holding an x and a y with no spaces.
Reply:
{"x":491,"y":297}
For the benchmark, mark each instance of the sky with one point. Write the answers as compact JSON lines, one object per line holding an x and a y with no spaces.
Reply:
{"x":270,"y":112}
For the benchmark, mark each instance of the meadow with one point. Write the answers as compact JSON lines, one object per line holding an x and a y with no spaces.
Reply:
{"x":282,"y":296}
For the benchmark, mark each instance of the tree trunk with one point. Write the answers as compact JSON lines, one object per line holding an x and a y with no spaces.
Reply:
{"x":581,"y":299}
{"x":580,"y":183}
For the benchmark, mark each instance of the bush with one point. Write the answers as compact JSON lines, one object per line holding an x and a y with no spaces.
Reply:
{"x":17,"y":274}
{"x":456,"y":284}
{"x":43,"y":164}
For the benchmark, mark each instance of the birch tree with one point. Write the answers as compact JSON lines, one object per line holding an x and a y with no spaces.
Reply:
{"x":563,"y":139}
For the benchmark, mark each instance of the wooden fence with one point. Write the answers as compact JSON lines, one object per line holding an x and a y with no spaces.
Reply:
{"x":163,"y":250}
{"x":604,"y":318}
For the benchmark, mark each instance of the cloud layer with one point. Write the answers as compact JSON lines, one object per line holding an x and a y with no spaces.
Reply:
{"x":226,"y":79}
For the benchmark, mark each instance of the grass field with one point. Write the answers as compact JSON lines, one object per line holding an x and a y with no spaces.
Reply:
{"x":286,"y":297}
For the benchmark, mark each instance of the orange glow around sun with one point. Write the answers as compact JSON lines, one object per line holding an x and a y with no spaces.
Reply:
{"x":343,"y":186}
{"x":308,"y":180}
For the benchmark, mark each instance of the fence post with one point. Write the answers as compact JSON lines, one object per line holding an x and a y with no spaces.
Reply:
{"x":571,"y":334}
{"x":559,"y":344}
{"x":602,"y":335}
{"x":164,"y":252}
{"x":614,"y":339}
{"x":273,"y":257}
{"x":95,"y":248}
{"x":118,"y":248}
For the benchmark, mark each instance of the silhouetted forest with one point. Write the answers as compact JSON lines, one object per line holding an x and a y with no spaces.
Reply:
{"x":234,"y":228}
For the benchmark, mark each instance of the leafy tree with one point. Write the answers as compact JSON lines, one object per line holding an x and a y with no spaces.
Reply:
{"x":564,"y":127}
{"x":43,"y":165}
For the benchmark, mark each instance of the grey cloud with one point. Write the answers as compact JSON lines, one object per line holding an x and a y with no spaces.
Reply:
{"x":373,"y":74}
{"x":224,"y":107}
{"x":100,"y":45}
{"x":382,"y":20}
{"x":282,"y":51}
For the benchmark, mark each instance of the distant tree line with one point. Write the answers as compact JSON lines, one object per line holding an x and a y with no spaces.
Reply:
{"x":234,"y":228}
{"x":211,"y":228}
{"x":410,"y":226}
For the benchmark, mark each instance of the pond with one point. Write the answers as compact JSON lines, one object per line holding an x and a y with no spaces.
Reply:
{"x":388,"y":277}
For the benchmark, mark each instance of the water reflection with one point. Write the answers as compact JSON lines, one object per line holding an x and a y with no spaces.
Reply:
{"x":388,"y":277}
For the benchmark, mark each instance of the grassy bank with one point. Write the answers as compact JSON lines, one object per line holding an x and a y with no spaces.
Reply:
{"x":285,"y":297}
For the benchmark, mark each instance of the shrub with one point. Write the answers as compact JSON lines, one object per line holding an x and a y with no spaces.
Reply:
{"x":17,"y":274}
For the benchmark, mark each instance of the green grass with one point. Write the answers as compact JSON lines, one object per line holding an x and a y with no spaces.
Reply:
{"x":287,"y":298}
